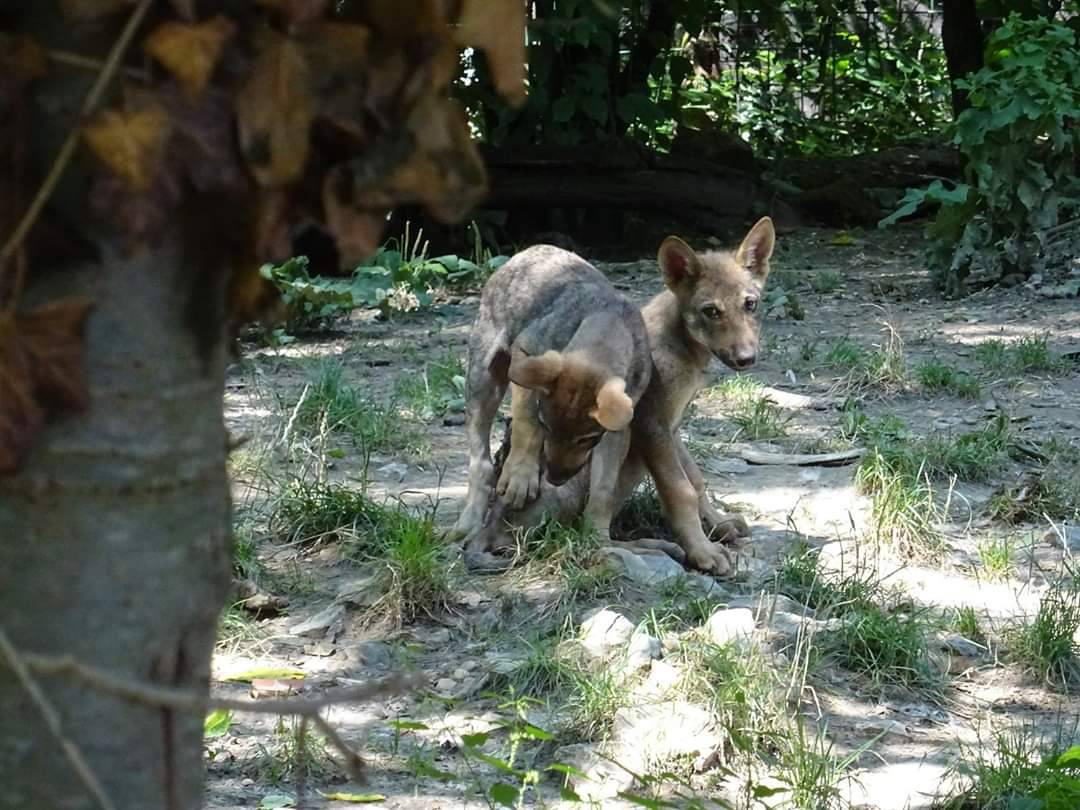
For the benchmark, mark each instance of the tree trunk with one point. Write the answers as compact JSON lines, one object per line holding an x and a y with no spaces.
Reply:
{"x":961,"y":36}
{"x":116,"y":545}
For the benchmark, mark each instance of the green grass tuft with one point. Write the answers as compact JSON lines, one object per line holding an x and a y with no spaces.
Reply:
{"x":1046,"y":645}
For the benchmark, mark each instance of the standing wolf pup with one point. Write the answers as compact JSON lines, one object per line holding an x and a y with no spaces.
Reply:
{"x":708,"y":310}
{"x":576,"y":357}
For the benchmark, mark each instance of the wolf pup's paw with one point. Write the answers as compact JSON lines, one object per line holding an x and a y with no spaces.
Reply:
{"x":519,"y":483}
{"x":711,"y":559}
{"x":729,"y":530}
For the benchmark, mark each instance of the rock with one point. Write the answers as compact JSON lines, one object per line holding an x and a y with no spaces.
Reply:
{"x":660,"y":732}
{"x":763,"y":603}
{"x":600,"y":778}
{"x":958,"y":645}
{"x":644,"y":569}
{"x":731,"y":626}
{"x":453,"y":420}
{"x":1064,"y":536}
{"x":706,"y":586}
{"x":376,"y":654}
{"x":319,"y":649}
{"x":663,"y":679}
{"x":642,"y":650}
{"x":460,"y":673}
{"x":604,"y":631}
{"x":444,"y":686}
{"x":358,"y":592}
{"x":320,"y":622}
{"x":395,"y":469}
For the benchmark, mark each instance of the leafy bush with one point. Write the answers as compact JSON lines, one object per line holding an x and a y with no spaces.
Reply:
{"x":1020,"y":142}
{"x":395,"y":279}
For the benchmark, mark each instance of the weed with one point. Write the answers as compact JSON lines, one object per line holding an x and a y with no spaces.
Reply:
{"x":439,"y":387}
{"x":1022,"y":769}
{"x":737,"y":388}
{"x":966,"y":623}
{"x":885,"y":368}
{"x":1046,"y":645}
{"x":237,"y":630}
{"x":996,"y":555}
{"x":593,"y":700}
{"x":245,"y":552}
{"x":936,"y":376}
{"x":973,"y":456}
{"x":761,"y":419}
{"x":546,"y":668}
{"x":737,"y":685}
{"x":903,"y":508}
{"x":296,"y":753}
{"x":827,"y":281}
{"x":1028,"y":354}
{"x":412,"y":570}
{"x":802,"y":578}
{"x":641,"y":516}
{"x":846,"y":354}
{"x":810,"y":771}
{"x":569,"y":552}
{"x":1050,"y":494}
{"x":329,"y":400}
{"x":305,"y":512}
{"x":887,"y":645}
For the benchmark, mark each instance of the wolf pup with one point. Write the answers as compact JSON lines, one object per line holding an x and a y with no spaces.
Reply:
{"x":708,"y":310}
{"x":575,"y":355}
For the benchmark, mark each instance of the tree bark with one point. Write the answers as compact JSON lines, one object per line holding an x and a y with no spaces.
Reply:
{"x":961,"y":36}
{"x":115,"y":539}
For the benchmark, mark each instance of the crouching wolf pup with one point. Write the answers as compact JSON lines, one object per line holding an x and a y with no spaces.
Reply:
{"x":576,"y":358}
{"x":708,"y":310}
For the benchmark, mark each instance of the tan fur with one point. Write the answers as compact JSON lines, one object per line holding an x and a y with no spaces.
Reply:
{"x":707,"y":311}
{"x":536,"y":373}
{"x":614,"y":409}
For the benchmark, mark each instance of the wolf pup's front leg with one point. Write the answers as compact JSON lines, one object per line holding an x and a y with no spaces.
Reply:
{"x":519,"y":483}
{"x":682,"y":504}
{"x":724,"y":528}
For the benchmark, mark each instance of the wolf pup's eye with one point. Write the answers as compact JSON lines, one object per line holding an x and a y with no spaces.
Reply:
{"x":712,"y":312}
{"x":751,"y":304}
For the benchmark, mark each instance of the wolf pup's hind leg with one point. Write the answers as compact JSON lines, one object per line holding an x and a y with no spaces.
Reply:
{"x":484,"y":390}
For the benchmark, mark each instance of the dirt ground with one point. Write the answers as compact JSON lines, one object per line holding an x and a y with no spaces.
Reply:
{"x":903,"y":741}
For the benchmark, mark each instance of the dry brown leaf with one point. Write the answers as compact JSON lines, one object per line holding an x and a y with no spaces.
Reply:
{"x":185,"y":9}
{"x":497,"y":27}
{"x":297,"y":12}
{"x":190,"y":51}
{"x":130,"y":143}
{"x":274,"y":111}
{"x":41,"y":370}
{"x":357,"y":232}
{"x":22,"y":58}
{"x":89,"y":9}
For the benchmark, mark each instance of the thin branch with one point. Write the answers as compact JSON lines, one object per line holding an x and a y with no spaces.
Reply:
{"x":63,"y":157}
{"x":77,"y":60}
{"x":183,"y":700}
{"x":53,"y":722}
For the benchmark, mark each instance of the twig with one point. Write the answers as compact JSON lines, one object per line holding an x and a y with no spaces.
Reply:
{"x":89,"y":63}
{"x":52,"y":719}
{"x":183,"y":700}
{"x":63,"y":157}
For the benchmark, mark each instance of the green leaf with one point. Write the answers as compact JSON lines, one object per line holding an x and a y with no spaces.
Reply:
{"x":909,"y":204}
{"x":567,"y":795}
{"x":764,"y":791}
{"x":408,"y":725}
{"x":1069,"y":758}
{"x":506,"y":795}
{"x":217,"y":723}
{"x":475,"y":740}
{"x":248,"y":675}
{"x":494,"y":762}
{"x":562,"y":109}
{"x":531,"y":732}
{"x":274,"y":801}
{"x":353,"y":798}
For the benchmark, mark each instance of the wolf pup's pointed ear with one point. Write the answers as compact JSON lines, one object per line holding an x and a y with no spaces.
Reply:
{"x":756,"y":248}
{"x":538,"y":373}
{"x":678,"y":262}
{"x":614,"y":409}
